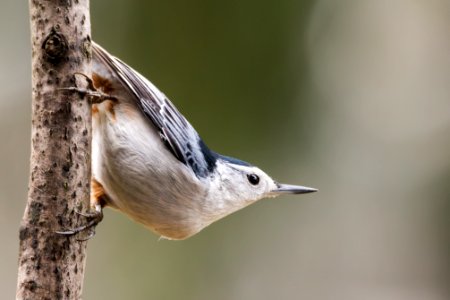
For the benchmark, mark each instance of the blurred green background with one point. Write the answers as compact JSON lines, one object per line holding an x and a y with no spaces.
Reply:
{"x":351,"y":97}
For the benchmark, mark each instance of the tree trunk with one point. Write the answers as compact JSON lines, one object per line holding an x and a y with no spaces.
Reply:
{"x":51,"y":266}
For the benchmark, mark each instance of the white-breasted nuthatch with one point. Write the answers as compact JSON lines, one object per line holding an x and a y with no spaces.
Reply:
{"x":149,"y":162}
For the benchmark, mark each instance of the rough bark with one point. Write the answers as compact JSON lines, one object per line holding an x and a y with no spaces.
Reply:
{"x":51,"y":266}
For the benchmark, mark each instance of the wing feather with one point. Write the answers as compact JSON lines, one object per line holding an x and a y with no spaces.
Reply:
{"x":177,"y":134}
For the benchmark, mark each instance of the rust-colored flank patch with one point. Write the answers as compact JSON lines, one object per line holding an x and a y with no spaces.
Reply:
{"x":98,"y":194}
{"x":109,"y":105}
{"x":94,"y":109}
{"x":102,"y":83}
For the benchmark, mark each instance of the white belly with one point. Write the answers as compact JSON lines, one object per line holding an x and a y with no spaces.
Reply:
{"x":140,"y":176}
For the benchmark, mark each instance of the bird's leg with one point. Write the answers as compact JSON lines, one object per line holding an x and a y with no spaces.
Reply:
{"x":96,"y":95}
{"x":98,"y":201}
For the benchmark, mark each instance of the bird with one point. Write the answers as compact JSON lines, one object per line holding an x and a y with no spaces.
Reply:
{"x":149,"y":162}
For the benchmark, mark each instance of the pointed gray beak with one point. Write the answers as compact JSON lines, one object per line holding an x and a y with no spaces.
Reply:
{"x":292,"y":189}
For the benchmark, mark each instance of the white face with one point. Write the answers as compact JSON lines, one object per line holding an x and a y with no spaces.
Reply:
{"x":240,"y":185}
{"x":233,"y":188}
{"x":249,"y":183}
{"x":237,"y":186}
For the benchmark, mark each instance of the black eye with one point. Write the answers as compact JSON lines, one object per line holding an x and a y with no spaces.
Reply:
{"x":253,"y":179}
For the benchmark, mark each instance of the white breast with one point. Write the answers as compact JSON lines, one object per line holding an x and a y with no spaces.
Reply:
{"x":140,"y":176}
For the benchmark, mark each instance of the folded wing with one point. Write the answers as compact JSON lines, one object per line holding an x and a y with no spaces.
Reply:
{"x":177,"y":134}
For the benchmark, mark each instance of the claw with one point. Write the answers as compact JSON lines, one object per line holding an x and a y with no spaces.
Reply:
{"x":88,"y":79}
{"x":88,"y":214}
{"x":96,"y":95}
{"x":90,"y":236}
{"x":96,"y":217}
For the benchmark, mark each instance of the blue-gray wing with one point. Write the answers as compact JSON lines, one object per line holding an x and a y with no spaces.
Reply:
{"x":175,"y":131}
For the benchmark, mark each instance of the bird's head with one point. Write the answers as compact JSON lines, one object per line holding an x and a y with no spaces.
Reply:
{"x":238,"y":184}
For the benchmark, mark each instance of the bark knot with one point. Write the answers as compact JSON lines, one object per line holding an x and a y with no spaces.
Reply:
{"x":55,"y":46}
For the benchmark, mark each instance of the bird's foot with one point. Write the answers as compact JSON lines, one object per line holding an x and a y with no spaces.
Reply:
{"x":95,"y":95}
{"x":93,"y":219}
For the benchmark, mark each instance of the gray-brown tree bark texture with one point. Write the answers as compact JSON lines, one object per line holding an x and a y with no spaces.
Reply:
{"x":51,"y":266}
